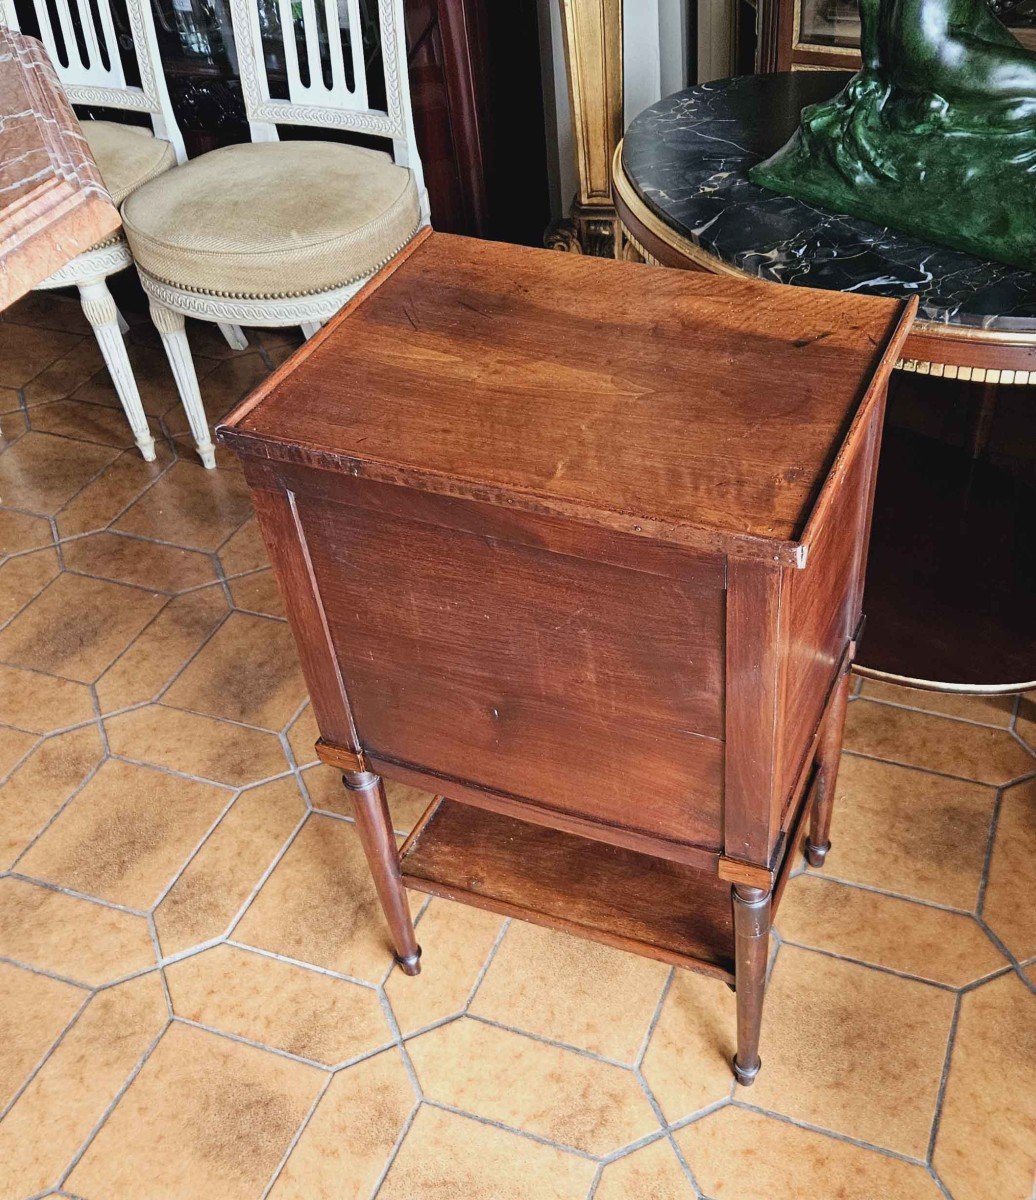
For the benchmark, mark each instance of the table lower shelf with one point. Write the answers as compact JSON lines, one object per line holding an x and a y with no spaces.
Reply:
{"x":664,"y":910}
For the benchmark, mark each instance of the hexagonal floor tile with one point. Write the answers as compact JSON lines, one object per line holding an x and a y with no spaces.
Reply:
{"x":744,"y":1156}
{"x":56,"y":1113}
{"x":20,"y":531}
{"x":571,"y":990}
{"x":348,"y":1141}
{"x":33,"y":1012}
{"x":283,"y":1006}
{"x":205,"y":1116}
{"x":25,"y":351}
{"x":244,"y":550}
{"x":687,"y":1065}
{"x":161,"y":649}
{"x":653,"y":1171}
{"x":190,"y":507}
{"x":511,"y":1079}
{"x":23,"y":577}
{"x":77,"y":626}
{"x":1012,"y":872}
{"x":444,"y":1154}
{"x":902,"y":830}
{"x":913,"y":938}
{"x":125,"y":479}
{"x":852,"y":1050}
{"x":78,"y":939}
{"x":42,"y":473}
{"x":986,"y":710}
{"x":985,"y":1145}
{"x":222,"y":875}
{"x":196,"y":745}
{"x":82,"y":422}
{"x":132,"y":560}
{"x":932,"y":742}
{"x":42,"y":703}
{"x":319,"y":905}
{"x":39,"y":786}
{"x":126,"y":834}
{"x":460,"y":939}
{"x":247,"y":672}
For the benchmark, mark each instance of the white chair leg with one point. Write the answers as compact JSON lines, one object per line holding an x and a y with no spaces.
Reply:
{"x":309,"y":328}
{"x":235,"y":336}
{"x":170,"y":326}
{"x":123,"y":323}
{"x":104,"y":318}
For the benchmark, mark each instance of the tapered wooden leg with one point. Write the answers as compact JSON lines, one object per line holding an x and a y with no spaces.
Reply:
{"x":379,"y":844}
{"x":751,"y":951}
{"x":829,"y":753}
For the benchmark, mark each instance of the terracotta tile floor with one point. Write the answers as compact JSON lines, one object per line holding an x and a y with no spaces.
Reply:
{"x":196,"y":995}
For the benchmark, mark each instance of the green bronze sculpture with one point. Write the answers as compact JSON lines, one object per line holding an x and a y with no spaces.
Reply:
{"x":935,"y":135}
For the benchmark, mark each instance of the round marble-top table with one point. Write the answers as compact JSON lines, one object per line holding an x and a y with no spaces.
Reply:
{"x":683,"y":195}
{"x":951,"y":577}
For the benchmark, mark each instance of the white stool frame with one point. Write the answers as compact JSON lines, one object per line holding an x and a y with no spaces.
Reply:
{"x":315,"y":104}
{"x":87,"y":80}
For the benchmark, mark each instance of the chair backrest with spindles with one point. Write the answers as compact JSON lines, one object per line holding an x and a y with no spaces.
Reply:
{"x":81,"y":40}
{"x":325,"y":88}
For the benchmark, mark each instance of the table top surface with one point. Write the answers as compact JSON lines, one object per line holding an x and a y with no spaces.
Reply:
{"x":684,"y":407}
{"x":688,"y":158}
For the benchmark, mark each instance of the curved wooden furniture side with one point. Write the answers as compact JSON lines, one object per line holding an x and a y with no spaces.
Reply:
{"x":932,"y":348}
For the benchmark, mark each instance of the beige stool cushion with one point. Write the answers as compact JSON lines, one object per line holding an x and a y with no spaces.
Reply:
{"x":271,"y":220}
{"x":126,"y":155}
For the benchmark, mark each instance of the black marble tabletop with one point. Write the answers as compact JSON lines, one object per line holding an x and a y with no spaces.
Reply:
{"x":688,"y":158}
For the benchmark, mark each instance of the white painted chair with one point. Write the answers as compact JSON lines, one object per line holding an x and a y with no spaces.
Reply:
{"x":276,"y":233}
{"x":84,"y":48}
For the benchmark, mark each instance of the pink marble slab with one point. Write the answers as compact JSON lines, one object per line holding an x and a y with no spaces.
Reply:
{"x":53,"y":205}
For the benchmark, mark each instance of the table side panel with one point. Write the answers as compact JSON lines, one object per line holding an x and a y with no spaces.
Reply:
{"x":823,"y":608}
{"x":286,"y":545}
{"x":577,"y":684}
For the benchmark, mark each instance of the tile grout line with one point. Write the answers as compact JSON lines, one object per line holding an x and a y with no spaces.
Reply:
{"x":241,"y":1040}
{"x":818,"y":873}
{"x":987,"y":858}
{"x":67,"y":891}
{"x":46,"y":1056}
{"x":544,"y":1041}
{"x":895,"y":972}
{"x":505,"y":925}
{"x":928,"y":712}
{"x":264,"y":875}
{"x":397,"y":1145}
{"x":213,"y":826}
{"x":943,"y":1080}
{"x":321,"y":1092}
{"x":56,"y":814}
{"x":295,"y":962}
{"x":831,"y":1133}
{"x":891,"y":762}
{"x":127,"y":1084}
{"x":20,"y":762}
{"x":539,"y":1139}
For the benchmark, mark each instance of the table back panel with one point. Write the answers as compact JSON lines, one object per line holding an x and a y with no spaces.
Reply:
{"x":520,"y":670}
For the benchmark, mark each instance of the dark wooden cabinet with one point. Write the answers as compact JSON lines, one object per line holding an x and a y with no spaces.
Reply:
{"x":579,"y":545}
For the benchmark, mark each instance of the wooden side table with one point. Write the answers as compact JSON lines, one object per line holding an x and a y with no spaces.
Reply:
{"x":580,"y":545}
